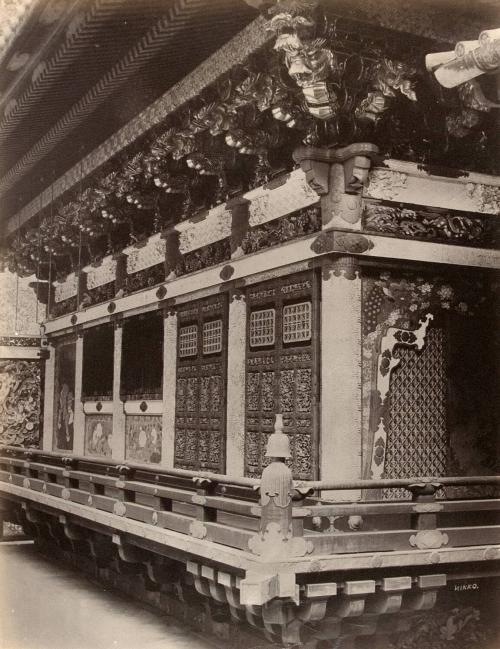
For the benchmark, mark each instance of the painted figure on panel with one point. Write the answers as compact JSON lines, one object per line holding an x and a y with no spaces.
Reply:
{"x":144,"y":438}
{"x":65,"y":418}
{"x":98,"y":435}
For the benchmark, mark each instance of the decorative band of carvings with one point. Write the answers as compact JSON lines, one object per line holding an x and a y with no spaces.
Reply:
{"x":19,"y":341}
{"x":438,"y":225}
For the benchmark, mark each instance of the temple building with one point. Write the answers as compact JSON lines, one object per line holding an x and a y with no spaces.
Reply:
{"x":249,"y":306}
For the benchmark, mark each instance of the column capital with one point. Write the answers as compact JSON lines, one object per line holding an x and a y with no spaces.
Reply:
{"x":346,"y":266}
{"x":356,"y":159}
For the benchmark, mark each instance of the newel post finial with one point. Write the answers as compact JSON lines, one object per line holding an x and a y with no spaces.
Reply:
{"x":276,"y":539}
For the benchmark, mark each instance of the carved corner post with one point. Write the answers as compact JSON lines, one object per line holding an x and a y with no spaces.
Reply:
{"x":118,"y":444}
{"x":169,"y":385}
{"x":341,"y":432}
{"x":338,"y":176}
{"x":236,"y":349}
{"x":48,"y":399}
{"x":79,"y":415}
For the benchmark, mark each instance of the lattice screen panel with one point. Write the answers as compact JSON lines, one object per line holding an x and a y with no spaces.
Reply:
{"x":417,"y":440}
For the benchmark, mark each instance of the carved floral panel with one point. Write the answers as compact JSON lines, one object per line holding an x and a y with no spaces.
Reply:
{"x":286,"y":228}
{"x":438,"y":225}
{"x":20,"y":402}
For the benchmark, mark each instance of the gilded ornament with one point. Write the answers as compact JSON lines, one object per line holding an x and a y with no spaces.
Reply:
{"x":428,"y":539}
{"x":119,"y":509}
{"x":309,"y":62}
{"x":197,"y":530}
{"x":353,"y":243}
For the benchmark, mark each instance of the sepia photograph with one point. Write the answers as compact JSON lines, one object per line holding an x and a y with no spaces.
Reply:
{"x":249,"y":324}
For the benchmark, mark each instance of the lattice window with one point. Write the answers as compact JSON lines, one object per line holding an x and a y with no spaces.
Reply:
{"x":188,"y":341}
{"x":262,"y":326}
{"x":212,"y":337}
{"x":297,"y":322}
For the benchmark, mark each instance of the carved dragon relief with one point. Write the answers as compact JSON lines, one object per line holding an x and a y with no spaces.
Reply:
{"x":386,"y":363}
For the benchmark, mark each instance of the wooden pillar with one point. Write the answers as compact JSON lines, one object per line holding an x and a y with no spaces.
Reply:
{"x":48,"y":399}
{"x":338,"y":176}
{"x":340,"y":442}
{"x":169,"y":387}
{"x":118,"y":442}
{"x":235,"y":426}
{"x":79,"y":415}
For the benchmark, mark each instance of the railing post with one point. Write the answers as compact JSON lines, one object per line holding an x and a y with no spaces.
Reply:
{"x":277,"y":538}
{"x":424,"y":496}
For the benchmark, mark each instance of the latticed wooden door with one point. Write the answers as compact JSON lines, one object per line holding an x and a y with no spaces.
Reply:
{"x":200,"y":404}
{"x":417,"y":440}
{"x":282,"y":370}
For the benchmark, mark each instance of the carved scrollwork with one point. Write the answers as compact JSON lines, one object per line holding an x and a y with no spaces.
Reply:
{"x":426,"y":224}
{"x":20,"y":402}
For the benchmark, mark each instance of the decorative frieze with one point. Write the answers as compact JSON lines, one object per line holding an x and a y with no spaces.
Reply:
{"x":101,"y":293}
{"x":64,"y":307}
{"x":149,"y":276}
{"x":278,"y":231}
{"x":141,"y":258}
{"x":439,"y":225}
{"x":210,"y":255}
{"x":19,"y":341}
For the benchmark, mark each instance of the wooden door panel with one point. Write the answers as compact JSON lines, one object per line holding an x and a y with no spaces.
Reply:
{"x":200,"y":411}
{"x":282,"y":369}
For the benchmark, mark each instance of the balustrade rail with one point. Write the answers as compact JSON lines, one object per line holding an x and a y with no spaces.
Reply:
{"x":230,"y":512}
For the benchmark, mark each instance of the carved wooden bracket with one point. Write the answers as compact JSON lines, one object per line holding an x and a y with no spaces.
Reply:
{"x":345,"y":242}
{"x":386,"y":363}
{"x":356,"y":159}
